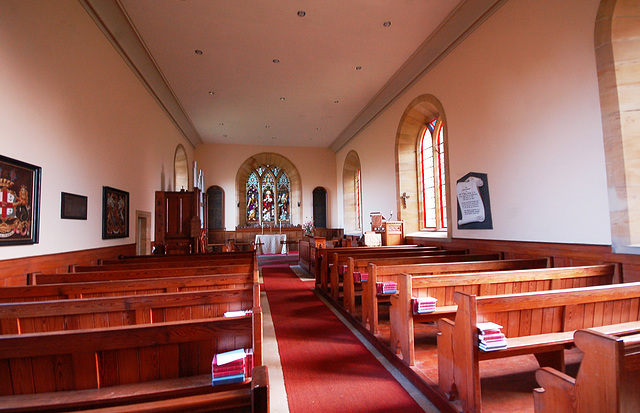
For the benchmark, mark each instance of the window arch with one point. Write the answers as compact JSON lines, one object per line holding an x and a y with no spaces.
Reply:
{"x":273,"y":173}
{"x":422,"y":167}
{"x":352,"y":189}
{"x":320,"y":207}
{"x":215,"y":207}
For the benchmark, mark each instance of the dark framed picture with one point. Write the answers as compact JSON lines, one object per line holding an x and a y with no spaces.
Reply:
{"x":115,"y":213}
{"x":73,"y":206}
{"x":19,"y":202}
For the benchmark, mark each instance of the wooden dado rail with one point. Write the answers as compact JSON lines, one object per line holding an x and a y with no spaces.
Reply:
{"x":195,"y":262}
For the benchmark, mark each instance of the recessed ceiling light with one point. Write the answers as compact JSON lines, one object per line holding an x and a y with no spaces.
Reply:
{"x":336,"y":101}
{"x":318,"y":128}
{"x":276,"y":60}
{"x":267,"y":126}
{"x":198,"y":51}
{"x":225,"y":136}
{"x":302,"y":13}
{"x":283,"y":98}
{"x":273,"y":137}
{"x":211,"y":92}
{"x":358,"y":67}
{"x":387,"y":23}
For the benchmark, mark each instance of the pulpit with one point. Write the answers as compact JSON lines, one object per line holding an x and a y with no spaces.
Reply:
{"x":392,"y":232}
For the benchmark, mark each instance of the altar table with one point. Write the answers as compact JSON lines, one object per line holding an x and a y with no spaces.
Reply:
{"x":271,"y":244}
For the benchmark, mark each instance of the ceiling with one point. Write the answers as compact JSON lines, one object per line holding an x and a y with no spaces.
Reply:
{"x":282,"y":72}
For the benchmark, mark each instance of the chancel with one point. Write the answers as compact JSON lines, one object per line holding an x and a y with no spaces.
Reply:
{"x":284,"y":206}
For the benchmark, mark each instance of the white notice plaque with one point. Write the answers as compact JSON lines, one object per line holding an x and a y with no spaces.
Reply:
{"x":471,"y":206}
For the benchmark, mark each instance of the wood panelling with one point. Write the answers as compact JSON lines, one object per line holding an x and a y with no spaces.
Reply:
{"x":628,"y":265}
{"x":14,"y":272}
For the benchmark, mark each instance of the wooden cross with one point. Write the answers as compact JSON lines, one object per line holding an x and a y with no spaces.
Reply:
{"x":404,"y":199}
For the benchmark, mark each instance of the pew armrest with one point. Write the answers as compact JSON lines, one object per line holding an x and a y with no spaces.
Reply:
{"x":556,"y":393}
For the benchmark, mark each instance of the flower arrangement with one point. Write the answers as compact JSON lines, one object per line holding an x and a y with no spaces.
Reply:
{"x":308,"y":227}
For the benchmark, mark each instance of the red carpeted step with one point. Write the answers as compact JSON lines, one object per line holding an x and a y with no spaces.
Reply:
{"x":326,"y":368}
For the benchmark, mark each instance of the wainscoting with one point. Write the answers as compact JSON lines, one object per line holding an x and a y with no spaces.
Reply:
{"x":628,"y":266}
{"x":14,"y":272}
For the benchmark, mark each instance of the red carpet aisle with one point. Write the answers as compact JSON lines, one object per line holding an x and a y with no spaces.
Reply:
{"x":325,"y":367}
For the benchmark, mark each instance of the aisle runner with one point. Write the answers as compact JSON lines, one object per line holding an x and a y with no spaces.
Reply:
{"x":325,"y":367}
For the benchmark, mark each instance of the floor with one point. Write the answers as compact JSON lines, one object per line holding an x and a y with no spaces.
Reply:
{"x":507,"y":384}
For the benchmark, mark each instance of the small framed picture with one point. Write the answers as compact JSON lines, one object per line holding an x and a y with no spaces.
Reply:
{"x":73,"y":206}
{"x":115,"y":213}
{"x":19,"y":202}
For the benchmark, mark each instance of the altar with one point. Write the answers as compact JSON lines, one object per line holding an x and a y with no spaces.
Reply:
{"x":271,"y":244}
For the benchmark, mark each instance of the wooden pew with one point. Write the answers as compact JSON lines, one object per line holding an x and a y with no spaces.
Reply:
{"x":74,"y":277}
{"x":371,"y":298}
{"x":339,"y":264}
{"x":121,"y":365}
{"x":125,"y":287}
{"x":133,"y":259}
{"x":351,"y":287}
{"x":168,"y":263}
{"x":323,"y":259}
{"x":607,"y":380}
{"x":480,"y":284}
{"x":540,"y":323}
{"x":83,"y":313}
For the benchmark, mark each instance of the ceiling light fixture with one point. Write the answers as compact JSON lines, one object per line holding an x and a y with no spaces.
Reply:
{"x":198,"y":51}
{"x":336,"y":101}
{"x":358,"y":67}
{"x":221,"y":124}
{"x":387,"y":23}
{"x":302,"y":13}
{"x":211,"y":92}
{"x":267,"y":126}
{"x":273,"y":137}
{"x":276,"y":60}
{"x":283,"y":98}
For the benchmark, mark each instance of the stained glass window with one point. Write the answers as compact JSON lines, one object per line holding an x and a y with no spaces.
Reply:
{"x":268,"y":201}
{"x":433,"y":179}
{"x":283,"y":198}
{"x":253,"y":195}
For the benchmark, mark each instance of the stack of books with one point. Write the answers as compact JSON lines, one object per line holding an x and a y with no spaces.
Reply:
{"x":360,"y":277}
{"x":231,"y":367}
{"x":490,"y":338}
{"x":423,"y":305}
{"x":238,"y":313}
{"x":387,"y":287}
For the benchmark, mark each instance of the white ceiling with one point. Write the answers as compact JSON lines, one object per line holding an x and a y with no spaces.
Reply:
{"x":233,"y":92}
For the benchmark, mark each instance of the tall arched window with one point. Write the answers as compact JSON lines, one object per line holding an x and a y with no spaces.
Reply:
{"x":180,"y":169}
{"x":268,"y":192}
{"x":422,"y":167}
{"x":352,"y":190}
{"x":432,"y":176}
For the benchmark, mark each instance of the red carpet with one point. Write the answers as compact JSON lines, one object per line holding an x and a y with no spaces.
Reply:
{"x":325,"y":367}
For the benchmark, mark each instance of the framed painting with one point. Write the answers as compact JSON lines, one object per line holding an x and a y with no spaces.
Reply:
{"x":115,"y":213}
{"x":73,"y":206}
{"x":19,"y":202}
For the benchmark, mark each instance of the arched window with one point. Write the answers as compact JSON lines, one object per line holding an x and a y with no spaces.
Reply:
{"x":352,"y":190}
{"x":268,"y":192}
{"x":422,"y":167}
{"x":432,"y":176}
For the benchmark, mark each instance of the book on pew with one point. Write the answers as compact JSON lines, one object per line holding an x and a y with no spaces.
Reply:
{"x":238,"y":313}
{"x":360,"y":277}
{"x":231,"y":367}
{"x":490,"y":337}
{"x":387,"y":287}
{"x":423,"y":305}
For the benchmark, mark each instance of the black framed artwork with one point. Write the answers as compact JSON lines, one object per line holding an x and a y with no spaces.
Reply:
{"x":73,"y":206}
{"x":19,"y":202}
{"x":115,"y":213}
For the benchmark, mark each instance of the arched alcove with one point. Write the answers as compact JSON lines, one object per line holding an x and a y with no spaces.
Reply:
{"x":352,"y":193}
{"x":180,"y":169}
{"x":320,"y":207}
{"x":272,"y":160}
{"x":418,"y":114}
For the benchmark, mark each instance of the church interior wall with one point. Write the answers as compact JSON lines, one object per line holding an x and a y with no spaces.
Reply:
{"x":71,"y":105}
{"x":521,"y":100}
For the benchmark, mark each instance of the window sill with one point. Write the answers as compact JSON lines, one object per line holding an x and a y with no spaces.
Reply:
{"x":429,"y":234}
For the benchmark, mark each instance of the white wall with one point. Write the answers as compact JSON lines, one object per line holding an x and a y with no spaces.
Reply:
{"x":521,"y":99}
{"x":70,"y":105}
{"x":317,"y":167}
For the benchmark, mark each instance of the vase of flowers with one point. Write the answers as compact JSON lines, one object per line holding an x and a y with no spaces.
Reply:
{"x":308,"y":228}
